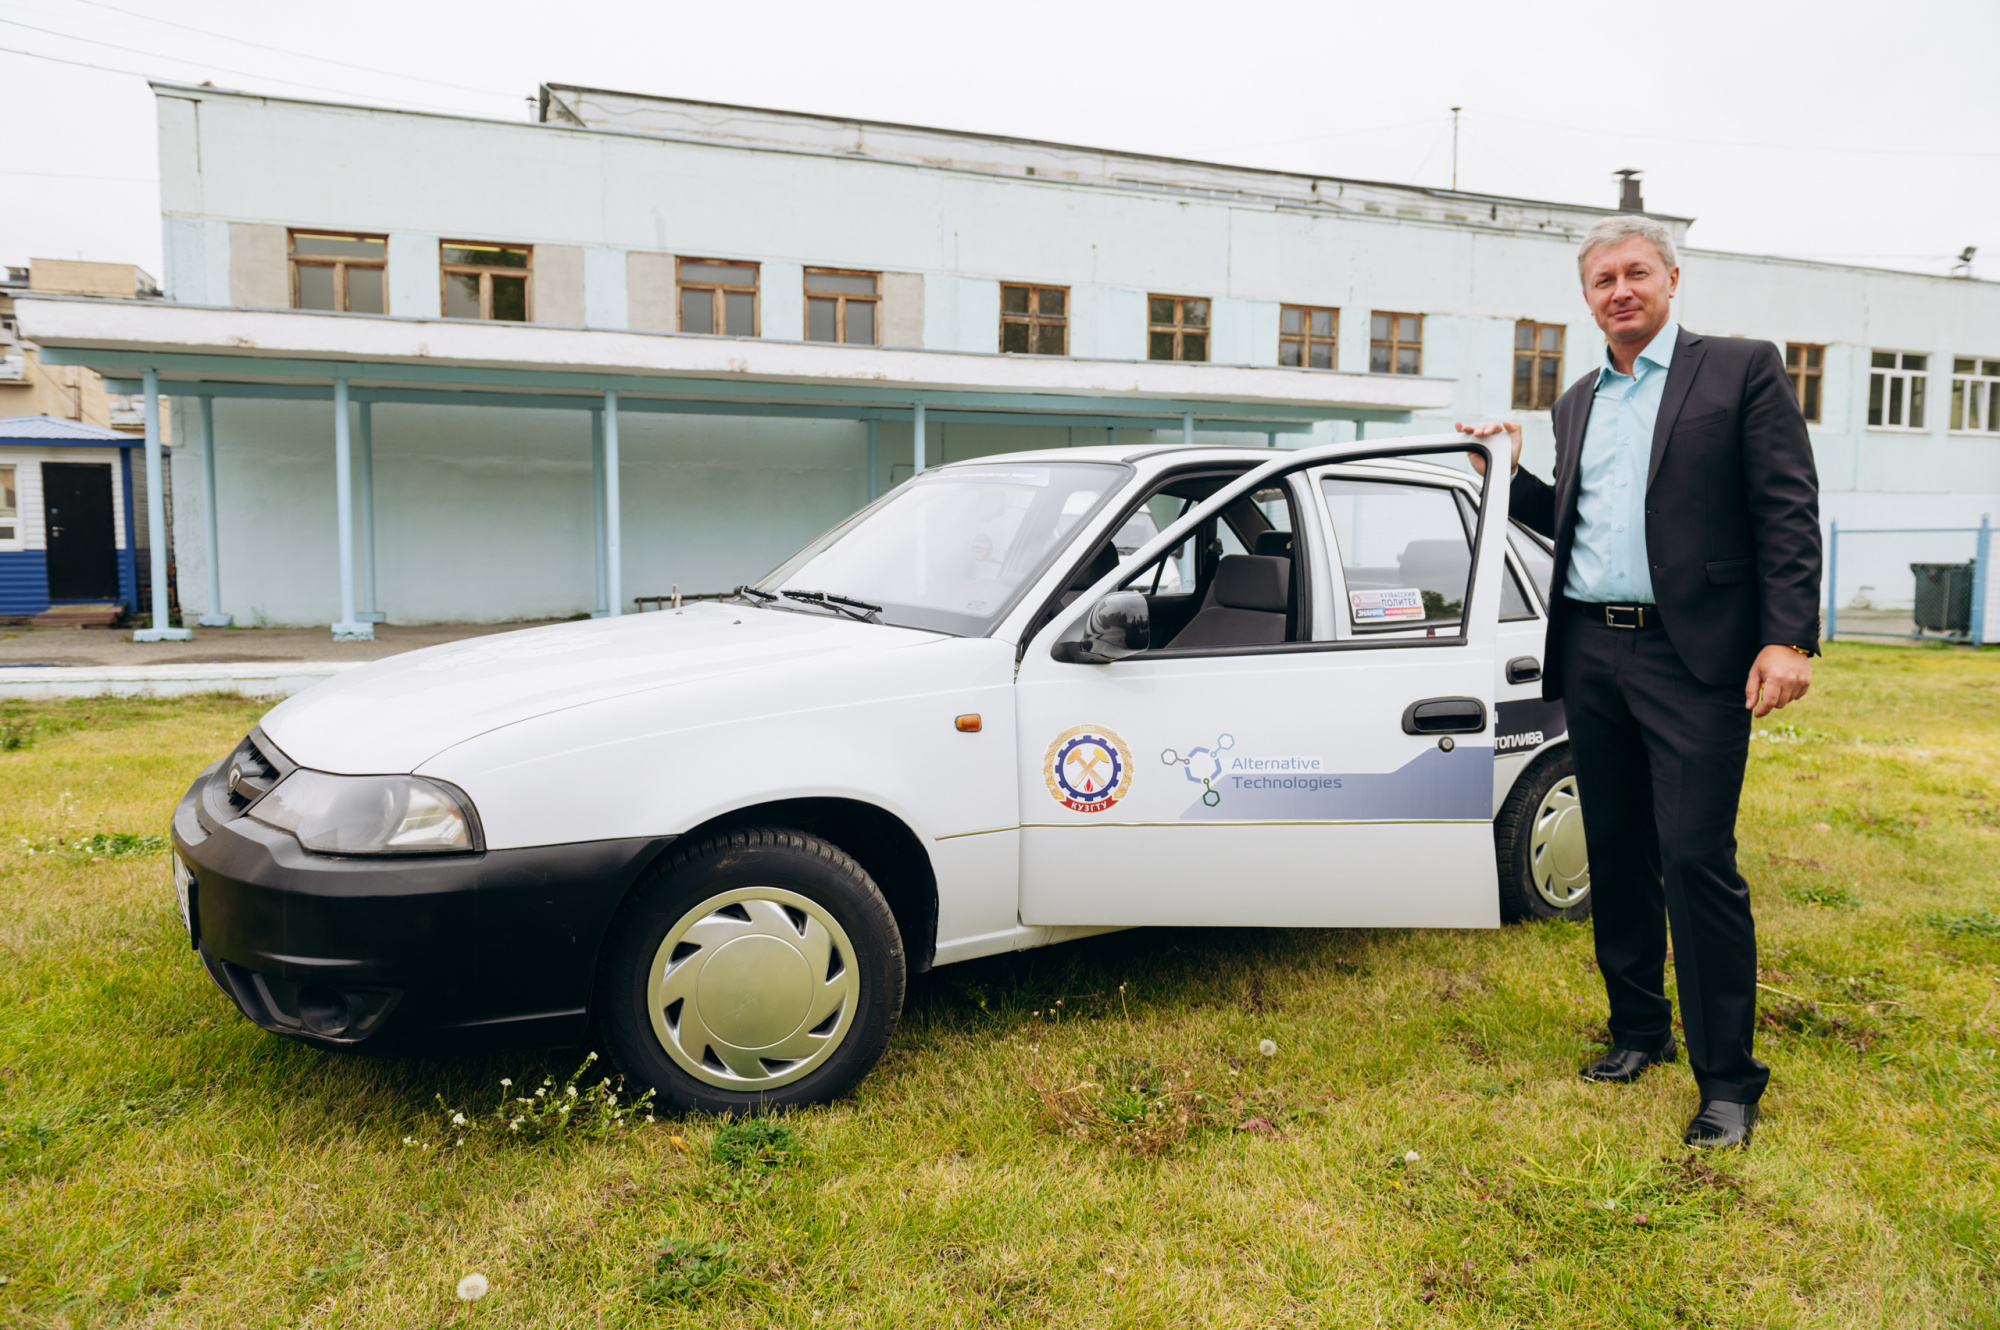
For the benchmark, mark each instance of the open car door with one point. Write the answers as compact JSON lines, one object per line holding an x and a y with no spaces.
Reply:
{"x":1313,"y":748}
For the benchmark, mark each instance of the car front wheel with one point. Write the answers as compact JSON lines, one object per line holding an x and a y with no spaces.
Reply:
{"x":1538,"y":837}
{"x":751,"y":970}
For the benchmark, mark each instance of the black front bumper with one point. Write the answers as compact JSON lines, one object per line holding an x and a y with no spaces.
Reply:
{"x":485,"y":949}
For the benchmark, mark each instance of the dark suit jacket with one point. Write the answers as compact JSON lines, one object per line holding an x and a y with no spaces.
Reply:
{"x":1732,"y":509}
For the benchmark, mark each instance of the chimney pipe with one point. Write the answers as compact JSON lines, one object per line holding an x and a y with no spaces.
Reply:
{"x":1628,"y":191}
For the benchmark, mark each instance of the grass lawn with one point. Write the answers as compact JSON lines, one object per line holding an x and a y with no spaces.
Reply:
{"x":1083,"y":1136}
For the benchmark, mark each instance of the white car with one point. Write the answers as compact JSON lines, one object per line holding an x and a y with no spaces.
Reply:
{"x":1014,"y":701}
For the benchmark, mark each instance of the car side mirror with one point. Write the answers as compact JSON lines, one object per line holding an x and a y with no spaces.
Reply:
{"x":1118,"y":625}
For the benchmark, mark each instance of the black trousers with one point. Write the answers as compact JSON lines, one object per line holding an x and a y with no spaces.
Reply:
{"x":1659,"y":771}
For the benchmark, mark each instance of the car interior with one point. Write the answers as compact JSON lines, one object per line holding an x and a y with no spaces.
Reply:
{"x":1233,"y":582}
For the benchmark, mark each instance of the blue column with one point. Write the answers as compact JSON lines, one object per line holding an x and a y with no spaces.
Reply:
{"x":156,"y":520}
{"x":347,"y":628}
{"x":1982,"y":578}
{"x":1187,"y":428}
{"x":364,"y":465}
{"x":1832,"y":579}
{"x":603,"y":609}
{"x":613,"y":581}
{"x":215,"y":618}
{"x":917,"y":444}
{"x":874,"y":460}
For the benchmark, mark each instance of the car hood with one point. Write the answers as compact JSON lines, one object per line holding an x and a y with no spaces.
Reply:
{"x":392,"y":715}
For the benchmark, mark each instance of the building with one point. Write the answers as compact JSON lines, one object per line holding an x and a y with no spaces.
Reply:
{"x":641,"y":341}
{"x":68,"y":536}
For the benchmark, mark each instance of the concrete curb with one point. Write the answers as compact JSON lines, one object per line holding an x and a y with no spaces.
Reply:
{"x":277,"y":678}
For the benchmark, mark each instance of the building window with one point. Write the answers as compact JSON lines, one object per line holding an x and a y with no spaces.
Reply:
{"x":1896,"y":390}
{"x":1538,"y":365}
{"x":10,"y":505}
{"x":1804,"y":363}
{"x":718,"y":297}
{"x":1176,"y":328}
{"x":841,"y":306}
{"x":484,"y":281}
{"x":1975,"y":395}
{"x":340,"y":270}
{"x":1034,"y":320}
{"x":1308,"y":336}
{"x":1396,"y":344}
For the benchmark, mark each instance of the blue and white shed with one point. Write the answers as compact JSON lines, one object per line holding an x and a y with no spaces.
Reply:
{"x":67,"y":498}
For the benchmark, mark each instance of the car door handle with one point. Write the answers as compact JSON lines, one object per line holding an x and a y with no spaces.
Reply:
{"x":1523,"y":669}
{"x":1445,"y":715}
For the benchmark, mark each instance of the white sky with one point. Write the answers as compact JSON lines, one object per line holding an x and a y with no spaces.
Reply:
{"x":1853,"y":132}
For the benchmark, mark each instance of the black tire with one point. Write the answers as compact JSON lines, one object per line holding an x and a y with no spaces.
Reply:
{"x":1539,"y":874}
{"x":773,"y":877}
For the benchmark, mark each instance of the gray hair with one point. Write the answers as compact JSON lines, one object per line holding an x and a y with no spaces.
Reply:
{"x":1622,"y":227}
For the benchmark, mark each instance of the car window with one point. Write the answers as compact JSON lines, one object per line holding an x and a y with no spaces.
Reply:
{"x":951,"y":549}
{"x":1141,"y":527}
{"x":1535,"y":557}
{"x":1404,"y":551}
{"x":1514,"y":602}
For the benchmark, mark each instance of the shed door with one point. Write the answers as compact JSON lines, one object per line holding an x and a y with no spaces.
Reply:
{"x":83,"y":546}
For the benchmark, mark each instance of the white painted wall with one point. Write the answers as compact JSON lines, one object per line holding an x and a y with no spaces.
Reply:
{"x":1113,"y":231}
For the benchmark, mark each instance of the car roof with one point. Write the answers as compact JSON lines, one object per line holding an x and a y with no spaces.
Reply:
{"x":1159,"y":457}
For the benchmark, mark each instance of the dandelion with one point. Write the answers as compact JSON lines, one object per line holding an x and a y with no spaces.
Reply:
{"x":1268,"y":1047}
{"x":472,"y":1288}
{"x":1412,"y":1157}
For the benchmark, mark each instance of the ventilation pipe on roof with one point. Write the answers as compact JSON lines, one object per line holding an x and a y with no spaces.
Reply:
{"x":1628,"y":191}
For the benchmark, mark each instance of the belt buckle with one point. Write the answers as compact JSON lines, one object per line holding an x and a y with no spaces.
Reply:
{"x":1636,"y":613}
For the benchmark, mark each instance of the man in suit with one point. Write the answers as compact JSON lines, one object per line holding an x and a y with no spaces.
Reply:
{"x":1685,"y":512}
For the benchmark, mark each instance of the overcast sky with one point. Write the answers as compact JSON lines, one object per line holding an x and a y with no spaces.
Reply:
{"x":1857,"y":133}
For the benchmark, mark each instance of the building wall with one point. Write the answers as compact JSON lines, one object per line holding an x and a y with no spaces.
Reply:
{"x":609,"y":211}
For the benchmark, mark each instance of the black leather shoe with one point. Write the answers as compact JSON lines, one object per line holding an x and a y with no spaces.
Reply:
{"x":1721,"y":1124}
{"x":1623,"y":1065}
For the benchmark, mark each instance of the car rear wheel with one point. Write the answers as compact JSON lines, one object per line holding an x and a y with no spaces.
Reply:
{"x":1538,"y":837}
{"x":750,"y":971}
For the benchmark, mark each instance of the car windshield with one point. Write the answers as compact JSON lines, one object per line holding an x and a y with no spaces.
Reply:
{"x":951,"y":549}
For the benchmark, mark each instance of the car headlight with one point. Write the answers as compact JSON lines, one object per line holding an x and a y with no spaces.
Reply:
{"x":370,"y":814}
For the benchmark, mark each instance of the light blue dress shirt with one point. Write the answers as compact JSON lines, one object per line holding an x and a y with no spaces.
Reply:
{"x":1607,"y":561}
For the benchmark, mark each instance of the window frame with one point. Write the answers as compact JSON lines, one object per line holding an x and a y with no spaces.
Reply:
{"x":1394,"y":342}
{"x":1916,"y":392}
{"x":718,"y":313}
{"x":1988,"y":378}
{"x":1180,"y":327}
{"x":13,"y":529}
{"x":1535,"y":356}
{"x":1034,"y":320}
{"x":841,"y":300}
{"x":486,"y":272}
{"x":1804,"y":372}
{"x":294,"y":261}
{"x":1306,"y":339}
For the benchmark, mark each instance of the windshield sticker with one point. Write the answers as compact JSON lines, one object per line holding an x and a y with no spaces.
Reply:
{"x":1387,"y":605}
{"x":1088,"y":769}
{"x":1038,"y":476}
{"x":1216,"y":768}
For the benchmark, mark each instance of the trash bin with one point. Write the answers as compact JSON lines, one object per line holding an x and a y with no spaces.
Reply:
{"x":1944,"y":597}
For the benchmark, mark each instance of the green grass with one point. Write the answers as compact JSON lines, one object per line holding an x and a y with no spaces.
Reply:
{"x":1083,"y":1136}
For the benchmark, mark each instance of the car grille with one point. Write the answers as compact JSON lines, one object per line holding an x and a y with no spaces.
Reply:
{"x":247,"y":776}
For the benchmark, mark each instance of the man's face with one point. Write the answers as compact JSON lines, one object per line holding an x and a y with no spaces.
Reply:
{"x":1627,"y":288}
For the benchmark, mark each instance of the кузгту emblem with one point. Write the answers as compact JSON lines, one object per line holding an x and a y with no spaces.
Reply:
{"x":1088,"y":768}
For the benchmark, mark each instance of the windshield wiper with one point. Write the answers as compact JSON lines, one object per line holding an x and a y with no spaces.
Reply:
{"x":764,"y":596}
{"x":838,"y":604}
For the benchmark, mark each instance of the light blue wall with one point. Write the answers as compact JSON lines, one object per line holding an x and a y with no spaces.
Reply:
{"x":414,"y":290}
{"x":604,"y":299}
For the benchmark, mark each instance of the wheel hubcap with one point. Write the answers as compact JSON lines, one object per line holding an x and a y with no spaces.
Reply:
{"x":753,"y":988}
{"x":1557,"y":858}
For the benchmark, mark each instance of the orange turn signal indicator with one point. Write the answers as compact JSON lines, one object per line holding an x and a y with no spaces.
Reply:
{"x":968,"y":724}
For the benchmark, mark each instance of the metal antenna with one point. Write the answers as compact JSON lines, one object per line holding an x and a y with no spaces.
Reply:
{"x":1454,"y":147}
